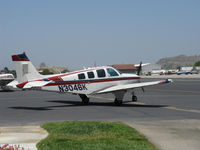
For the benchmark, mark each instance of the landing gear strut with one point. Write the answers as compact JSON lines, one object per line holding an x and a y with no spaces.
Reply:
{"x":85,"y":99}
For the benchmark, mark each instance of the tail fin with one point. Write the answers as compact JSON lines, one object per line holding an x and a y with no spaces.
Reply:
{"x":25,"y":69}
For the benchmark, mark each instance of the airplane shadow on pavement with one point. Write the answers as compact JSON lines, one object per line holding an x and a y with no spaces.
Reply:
{"x":69,"y":103}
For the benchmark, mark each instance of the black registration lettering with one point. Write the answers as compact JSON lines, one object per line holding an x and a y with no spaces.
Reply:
{"x":61,"y":89}
{"x":80,"y":87}
{"x":84,"y":87}
{"x":73,"y":87}
{"x":70,"y":87}
{"x":66,"y":88}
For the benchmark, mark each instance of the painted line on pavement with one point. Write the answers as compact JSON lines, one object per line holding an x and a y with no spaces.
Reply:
{"x":141,"y":103}
{"x":181,"y":109}
{"x":183,"y":91}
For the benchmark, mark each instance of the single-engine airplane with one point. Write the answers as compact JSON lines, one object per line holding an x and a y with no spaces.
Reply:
{"x":97,"y":80}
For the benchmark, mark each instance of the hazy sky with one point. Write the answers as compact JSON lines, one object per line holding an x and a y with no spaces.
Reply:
{"x":77,"y":33}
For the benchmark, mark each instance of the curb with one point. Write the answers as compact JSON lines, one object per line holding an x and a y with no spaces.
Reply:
{"x":24,"y":136}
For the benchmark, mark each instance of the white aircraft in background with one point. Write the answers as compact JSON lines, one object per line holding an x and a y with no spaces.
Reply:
{"x":4,"y":80}
{"x":84,"y":83}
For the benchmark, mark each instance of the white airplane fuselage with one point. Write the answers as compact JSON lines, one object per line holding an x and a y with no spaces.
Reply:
{"x":88,"y":81}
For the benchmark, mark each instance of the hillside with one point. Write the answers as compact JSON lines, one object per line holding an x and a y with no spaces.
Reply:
{"x":178,"y":61}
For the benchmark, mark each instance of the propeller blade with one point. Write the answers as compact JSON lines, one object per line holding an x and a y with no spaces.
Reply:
{"x":139,"y":69}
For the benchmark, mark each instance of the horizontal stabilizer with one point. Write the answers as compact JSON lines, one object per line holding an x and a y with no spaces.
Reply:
{"x":36,"y":84}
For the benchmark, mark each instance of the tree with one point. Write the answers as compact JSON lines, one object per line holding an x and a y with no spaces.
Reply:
{"x":197,"y":63}
{"x":6,"y":70}
{"x":42,"y":65}
{"x":179,"y":68}
{"x":13,"y":72}
{"x":64,"y":71}
{"x":46,"y":72}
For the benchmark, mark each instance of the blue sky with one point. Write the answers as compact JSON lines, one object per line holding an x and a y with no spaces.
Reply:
{"x":78,"y":33}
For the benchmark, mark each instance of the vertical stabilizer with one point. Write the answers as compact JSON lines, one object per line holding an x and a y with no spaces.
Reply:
{"x":25,"y":69}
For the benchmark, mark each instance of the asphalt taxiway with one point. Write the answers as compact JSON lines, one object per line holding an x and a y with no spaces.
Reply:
{"x":168,"y":113}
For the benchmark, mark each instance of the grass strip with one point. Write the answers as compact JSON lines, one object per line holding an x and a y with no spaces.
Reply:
{"x":78,"y":135}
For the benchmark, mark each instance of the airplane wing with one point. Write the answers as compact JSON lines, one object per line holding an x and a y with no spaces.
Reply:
{"x":132,"y":86}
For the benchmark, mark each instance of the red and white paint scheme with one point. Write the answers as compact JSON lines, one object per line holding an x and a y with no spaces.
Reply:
{"x":84,"y":83}
{"x":4,"y":80}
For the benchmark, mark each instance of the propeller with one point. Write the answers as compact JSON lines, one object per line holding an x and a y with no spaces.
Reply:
{"x":139,"y":71}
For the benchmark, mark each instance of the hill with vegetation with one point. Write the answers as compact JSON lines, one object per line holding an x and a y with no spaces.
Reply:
{"x":178,"y":61}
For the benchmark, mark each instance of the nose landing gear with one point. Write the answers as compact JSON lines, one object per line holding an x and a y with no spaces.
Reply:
{"x":134,"y":98}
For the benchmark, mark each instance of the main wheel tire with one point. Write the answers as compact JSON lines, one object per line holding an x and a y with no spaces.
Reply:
{"x":118,"y":102}
{"x":85,"y":101}
{"x":134,"y":98}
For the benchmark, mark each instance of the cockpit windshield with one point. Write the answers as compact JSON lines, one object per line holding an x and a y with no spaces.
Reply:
{"x":112,"y":72}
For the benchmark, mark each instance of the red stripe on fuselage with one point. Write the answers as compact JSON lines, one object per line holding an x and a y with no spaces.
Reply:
{"x":21,"y":85}
{"x":92,"y":81}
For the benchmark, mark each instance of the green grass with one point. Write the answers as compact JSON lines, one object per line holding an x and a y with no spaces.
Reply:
{"x":93,"y":136}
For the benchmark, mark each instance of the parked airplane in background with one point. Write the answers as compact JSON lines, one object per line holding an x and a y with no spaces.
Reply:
{"x":84,"y":83}
{"x":4,"y":80}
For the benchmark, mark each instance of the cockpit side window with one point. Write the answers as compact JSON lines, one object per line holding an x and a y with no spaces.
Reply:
{"x":112,"y":72}
{"x":81,"y":76}
{"x":101,"y":73}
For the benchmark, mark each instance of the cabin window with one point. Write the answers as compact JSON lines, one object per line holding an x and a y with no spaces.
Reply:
{"x":101,"y":73}
{"x":81,"y":76}
{"x":112,"y":72}
{"x":90,"y":74}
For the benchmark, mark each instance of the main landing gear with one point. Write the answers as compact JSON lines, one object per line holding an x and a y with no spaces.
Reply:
{"x":119,"y":95}
{"x":118,"y":102}
{"x":85,"y":99}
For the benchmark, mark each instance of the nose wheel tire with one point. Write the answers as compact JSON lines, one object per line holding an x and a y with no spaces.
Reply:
{"x":118,"y":102}
{"x":134,"y":98}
